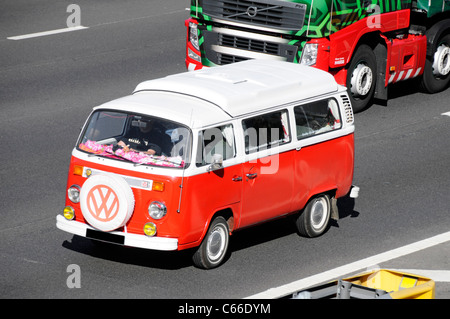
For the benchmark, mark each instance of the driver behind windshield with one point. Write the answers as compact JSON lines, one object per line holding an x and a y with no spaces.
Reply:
{"x":147,"y":137}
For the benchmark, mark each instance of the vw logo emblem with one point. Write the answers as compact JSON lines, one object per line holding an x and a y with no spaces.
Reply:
{"x":102,"y":203}
{"x":252,"y":11}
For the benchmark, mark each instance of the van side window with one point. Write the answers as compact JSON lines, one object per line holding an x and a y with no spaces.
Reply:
{"x":317,"y":117}
{"x":216,"y":140}
{"x":266,"y":131}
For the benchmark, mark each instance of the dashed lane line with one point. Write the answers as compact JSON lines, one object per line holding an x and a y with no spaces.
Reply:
{"x":45,"y":33}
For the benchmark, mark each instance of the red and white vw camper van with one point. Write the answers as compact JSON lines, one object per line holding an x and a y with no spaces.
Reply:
{"x":189,"y":159}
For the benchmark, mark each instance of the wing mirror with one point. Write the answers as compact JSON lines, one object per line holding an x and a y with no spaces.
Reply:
{"x":216,"y":163}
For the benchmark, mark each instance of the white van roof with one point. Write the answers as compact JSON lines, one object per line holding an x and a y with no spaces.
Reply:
{"x":214,"y":95}
{"x":247,"y":86}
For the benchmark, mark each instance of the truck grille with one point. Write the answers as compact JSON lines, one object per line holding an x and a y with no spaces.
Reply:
{"x":223,"y":59}
{"x":269,"y":13}
{"x":217,"y":47}
{"x":248,"y":44}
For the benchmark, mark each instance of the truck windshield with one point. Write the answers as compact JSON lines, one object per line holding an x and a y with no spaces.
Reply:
{"x":135,"y":138}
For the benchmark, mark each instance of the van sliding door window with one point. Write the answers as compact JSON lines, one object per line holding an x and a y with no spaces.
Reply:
{"x":216,"y":140}
{"x":266,"y":131}
{"x":317,"y":117}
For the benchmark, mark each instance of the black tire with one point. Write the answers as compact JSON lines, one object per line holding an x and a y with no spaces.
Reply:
{"x":314,"y":219}
{"x":214,"y":246}
{"x":361,"y":78}
{"x":431,"y":82}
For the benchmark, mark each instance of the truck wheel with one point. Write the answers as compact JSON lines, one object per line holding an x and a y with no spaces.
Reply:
{"x":361,"y":78}
{"x":214,"y":246}
{"x":436,"y":73}
{"x":314,"y":219}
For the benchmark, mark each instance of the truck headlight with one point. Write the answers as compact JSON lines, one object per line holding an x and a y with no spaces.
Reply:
{"x":74,"y":193}
{"x":157,"y":210}
{"x":193,"y":35}
{"x":194,"y":55}
{"x":309,"y":55}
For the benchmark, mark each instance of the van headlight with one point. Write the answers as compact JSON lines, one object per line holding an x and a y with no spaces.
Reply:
{"x":309,"y":55}
{"x":74,"y":193}
{"x":157,"y":210}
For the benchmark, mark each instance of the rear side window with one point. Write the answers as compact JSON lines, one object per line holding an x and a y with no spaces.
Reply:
{"x":317,"y":117}
{"x":266,"y":131}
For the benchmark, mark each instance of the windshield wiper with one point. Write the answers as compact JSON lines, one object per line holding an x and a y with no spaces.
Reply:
{"x":111,"y":155}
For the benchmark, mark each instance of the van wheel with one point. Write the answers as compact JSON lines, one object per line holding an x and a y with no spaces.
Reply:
{"x":361,"y":78}
{"x":214,"y":246}
{"x":436,"y":73}
{"x":314,"y":219}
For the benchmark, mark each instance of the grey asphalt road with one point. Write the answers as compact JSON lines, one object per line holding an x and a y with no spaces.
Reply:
{"x":48,"y":86}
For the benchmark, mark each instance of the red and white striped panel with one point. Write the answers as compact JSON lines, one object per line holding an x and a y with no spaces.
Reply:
{"x":404,"y":75}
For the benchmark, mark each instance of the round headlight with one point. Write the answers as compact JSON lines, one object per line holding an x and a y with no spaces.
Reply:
{"x":157,"y":210}
{"x":69,"y":213}
{"x":150,"y":229}
{"x":74,"y":193}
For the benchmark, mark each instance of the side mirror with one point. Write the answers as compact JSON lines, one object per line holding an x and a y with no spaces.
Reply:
{"x":216,"y":163}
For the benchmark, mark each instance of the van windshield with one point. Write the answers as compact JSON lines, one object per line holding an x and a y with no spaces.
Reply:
{"x":135,"y":138}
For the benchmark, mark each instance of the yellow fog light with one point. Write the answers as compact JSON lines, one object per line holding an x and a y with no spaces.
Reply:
{"x":69,"y":213}
{"x":150,"y":229}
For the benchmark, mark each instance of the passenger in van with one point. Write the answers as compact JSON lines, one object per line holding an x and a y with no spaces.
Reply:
{"x":149,"y":138}
{"x":316,"y":118}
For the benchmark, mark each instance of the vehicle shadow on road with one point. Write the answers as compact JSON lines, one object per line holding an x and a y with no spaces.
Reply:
{"x":346,"y":207}
{"x":404,"y":88}
{"x":401,"y":89}
{"x":173,"y":260}
{"x":282,"y":227}
{"x":169,"y":260}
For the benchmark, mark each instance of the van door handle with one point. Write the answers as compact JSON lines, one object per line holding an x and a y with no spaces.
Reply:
{"x":251,"y":176}
{"x":237,"y":179}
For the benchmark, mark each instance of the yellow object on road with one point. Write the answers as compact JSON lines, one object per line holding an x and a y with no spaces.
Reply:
{"x":398,"y":285}
{"x":377,"y":284}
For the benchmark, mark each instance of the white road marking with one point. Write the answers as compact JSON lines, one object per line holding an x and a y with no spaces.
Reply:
{"x":447,"y":114}
{"x":69,"y":29}
{"x":342,"y":271}
{"x":45,"y":33}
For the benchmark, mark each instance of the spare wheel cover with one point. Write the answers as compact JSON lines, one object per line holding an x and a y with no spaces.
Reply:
{"x":106,"y":201}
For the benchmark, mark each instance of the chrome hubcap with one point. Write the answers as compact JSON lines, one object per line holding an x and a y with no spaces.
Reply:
{"x":361,"y":80}
{"x":216,"y":243}
{"x":441,"y":64}
{"x":319,"y":213}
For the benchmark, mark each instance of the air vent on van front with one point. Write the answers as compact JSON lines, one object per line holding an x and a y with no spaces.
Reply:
{"x":348,"y":109}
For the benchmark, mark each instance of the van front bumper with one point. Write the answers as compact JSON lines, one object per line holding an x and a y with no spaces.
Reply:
{"x":117,"y":237}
